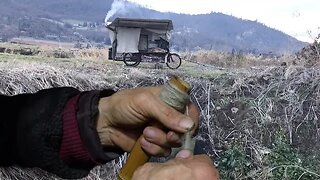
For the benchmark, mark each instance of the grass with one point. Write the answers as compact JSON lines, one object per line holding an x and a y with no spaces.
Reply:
{"x":54,"y":51}
{"x":237,"y":59}
{"x":14,"y":57}
{"x":256,"y":123}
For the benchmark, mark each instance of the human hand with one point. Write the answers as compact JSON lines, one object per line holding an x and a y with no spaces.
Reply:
{"x":184,"y":167}
{"x":127,"y":114}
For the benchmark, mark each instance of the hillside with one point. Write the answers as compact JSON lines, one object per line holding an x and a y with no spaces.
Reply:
{"x":93,"y":10}
{"x":216,"y":31}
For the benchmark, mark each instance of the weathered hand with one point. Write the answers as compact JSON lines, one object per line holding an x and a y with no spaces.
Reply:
{"x":188,"y":167}
{"x":127,"y":114}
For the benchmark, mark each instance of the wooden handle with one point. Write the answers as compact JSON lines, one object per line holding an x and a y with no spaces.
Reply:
{"x":138,"y":156}
{"x":136,"y":159}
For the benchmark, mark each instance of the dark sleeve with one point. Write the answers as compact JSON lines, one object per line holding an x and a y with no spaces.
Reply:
{"x":81,"y":147}
{"x":33,"y":131}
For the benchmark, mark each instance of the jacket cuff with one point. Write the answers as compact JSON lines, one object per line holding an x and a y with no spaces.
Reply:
{"x":80,"y":144}
{"x":87,"y":114}
{"x":72,"y":149}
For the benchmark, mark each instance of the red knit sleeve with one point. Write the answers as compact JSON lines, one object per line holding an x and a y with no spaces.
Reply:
{"x":80,"y":145}
{"x":72,"y":148}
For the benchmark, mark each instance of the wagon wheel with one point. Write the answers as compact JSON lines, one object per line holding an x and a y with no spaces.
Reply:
{"x":173,"y":61}
{"x":130,"y":60}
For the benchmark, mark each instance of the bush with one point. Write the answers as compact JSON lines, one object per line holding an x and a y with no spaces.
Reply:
{"x":310,"y":56}
{"x":282,"y":161}
{"x":234,"y":163}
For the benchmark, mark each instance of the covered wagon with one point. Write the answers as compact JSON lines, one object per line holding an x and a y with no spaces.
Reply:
{"x":142,"y":40}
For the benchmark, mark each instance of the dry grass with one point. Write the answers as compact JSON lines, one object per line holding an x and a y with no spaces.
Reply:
{"x":310,"y":55}
{"x":245,"y":113}
{"x":89,"y":54}
{"x":54,"y":51}
{"x":244,"y":110}
{"x":227,"y":60}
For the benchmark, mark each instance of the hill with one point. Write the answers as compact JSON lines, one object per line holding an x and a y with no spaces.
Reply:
{"x":76,"y":20}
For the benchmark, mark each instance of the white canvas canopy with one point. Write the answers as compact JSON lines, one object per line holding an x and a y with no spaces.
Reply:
{"x":128,"y":40}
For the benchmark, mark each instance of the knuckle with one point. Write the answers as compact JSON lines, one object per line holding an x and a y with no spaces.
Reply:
{"x":143,"y":97}
{"x":148,"y":166}
{"x":142,"y":171}
{"x":139,"y":172}
{"x":205,"y":172}
{"x":169,"y":112}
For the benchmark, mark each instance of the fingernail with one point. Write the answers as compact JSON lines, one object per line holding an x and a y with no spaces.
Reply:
{"x":186,"y":123}
{"x":184,"y":154}
{"x":175,"y":137}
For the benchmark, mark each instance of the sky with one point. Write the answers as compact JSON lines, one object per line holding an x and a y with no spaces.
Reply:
{"x":298,"y":18}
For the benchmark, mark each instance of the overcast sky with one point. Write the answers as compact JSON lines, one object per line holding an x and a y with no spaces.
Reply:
{"x":294,"y":17}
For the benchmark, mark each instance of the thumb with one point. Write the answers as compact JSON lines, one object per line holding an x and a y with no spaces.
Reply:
{"x":184,"y":154}
{"x":168,"y":116}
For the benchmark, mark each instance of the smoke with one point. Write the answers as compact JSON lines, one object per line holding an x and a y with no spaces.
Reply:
{"x":117,"y":6}
{"x":124,"y":8}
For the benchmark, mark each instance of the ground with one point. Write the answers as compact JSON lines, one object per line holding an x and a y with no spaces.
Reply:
{"x":257,"y":122}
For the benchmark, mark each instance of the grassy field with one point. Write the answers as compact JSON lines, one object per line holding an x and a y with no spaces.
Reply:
{"x":257,"y":122}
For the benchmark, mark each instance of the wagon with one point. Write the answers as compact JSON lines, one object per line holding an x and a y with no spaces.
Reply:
{"x":142,"y":40}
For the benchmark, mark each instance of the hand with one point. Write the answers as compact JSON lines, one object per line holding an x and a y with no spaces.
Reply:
{"x":127,"y":114}
{"x":186,"y":167}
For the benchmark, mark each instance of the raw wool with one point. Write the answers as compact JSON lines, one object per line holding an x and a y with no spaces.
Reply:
{"x":266,"y":100}
{"x":174,"y":97}
{"x":179,"y":99}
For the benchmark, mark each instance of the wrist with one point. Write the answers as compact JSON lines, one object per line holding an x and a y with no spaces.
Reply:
{"x":103,"y":123}
{"x":109,"y":133}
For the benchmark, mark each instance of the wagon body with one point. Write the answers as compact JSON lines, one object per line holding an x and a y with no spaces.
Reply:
{"x":134,"y":40}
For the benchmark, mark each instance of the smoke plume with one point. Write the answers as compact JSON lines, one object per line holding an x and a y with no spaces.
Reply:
{"x":117,"y":6}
